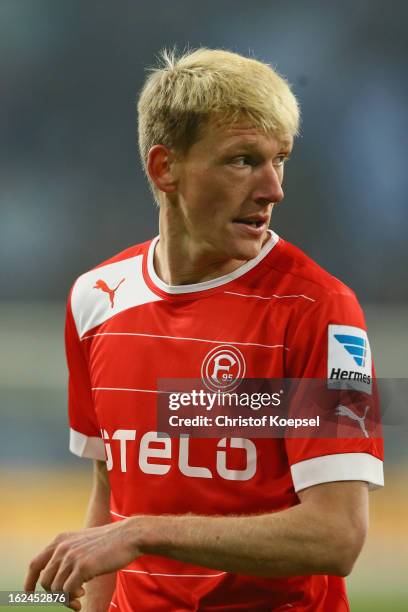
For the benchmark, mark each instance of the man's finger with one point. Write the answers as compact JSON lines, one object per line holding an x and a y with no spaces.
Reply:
{"x":47,"y":576}
{"x":73,"y":583}
{"x":60,"y":577}
{"x":74,"y":604}
{"x":35,"y":568}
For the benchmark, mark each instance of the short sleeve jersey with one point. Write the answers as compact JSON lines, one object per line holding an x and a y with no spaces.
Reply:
{"x":126,"y":329}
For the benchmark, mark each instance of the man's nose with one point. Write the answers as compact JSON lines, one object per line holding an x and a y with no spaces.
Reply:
{"x":269,"y":188}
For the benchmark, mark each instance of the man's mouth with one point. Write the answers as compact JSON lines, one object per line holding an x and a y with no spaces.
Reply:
{"x":252,"y":223}
{"x":256,"y":220}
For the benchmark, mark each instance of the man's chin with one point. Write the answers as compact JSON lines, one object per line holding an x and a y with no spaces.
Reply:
{"x":248,"y":249}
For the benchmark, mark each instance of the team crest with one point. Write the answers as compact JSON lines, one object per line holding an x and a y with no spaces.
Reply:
{"x":223,"y":368}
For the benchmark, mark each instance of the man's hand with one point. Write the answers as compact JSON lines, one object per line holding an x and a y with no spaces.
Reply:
{"x":75,"y":558}
{"x":321,"y":535}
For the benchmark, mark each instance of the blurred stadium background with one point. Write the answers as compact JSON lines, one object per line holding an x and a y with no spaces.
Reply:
{"x":72,"y":193}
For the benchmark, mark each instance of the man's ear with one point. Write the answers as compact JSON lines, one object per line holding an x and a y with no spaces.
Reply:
{"x":160,"y":167}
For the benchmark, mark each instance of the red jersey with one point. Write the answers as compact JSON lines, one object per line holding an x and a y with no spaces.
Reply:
{"x":287,"y":318}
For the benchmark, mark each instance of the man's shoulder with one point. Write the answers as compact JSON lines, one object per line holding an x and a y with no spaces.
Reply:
{"x":109,"y":288}
{"x":300,"y":273}
{"x":133,"y":251}
{"x":136,"y":250}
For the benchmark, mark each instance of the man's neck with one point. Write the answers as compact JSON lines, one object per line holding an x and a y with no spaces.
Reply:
{"x":179,"y":260}
{"x":178,"y":263}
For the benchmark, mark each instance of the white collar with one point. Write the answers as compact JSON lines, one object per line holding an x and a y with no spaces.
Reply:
{"x":214,"y":282}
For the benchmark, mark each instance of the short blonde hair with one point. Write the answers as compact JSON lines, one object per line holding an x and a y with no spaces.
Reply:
{"x":183,"y":93}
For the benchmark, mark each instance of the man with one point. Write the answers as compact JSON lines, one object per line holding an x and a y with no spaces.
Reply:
{"x":210,"y":524}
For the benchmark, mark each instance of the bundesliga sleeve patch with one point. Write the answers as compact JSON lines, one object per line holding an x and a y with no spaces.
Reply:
{"x":349,"y":358}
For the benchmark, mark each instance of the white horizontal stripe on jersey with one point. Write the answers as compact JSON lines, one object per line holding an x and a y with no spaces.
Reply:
{"x":232,"y":342}
{"x":271,"y":297}
{"x":113,"y":604}
{"x":119,"y":515}
{"x":86,"y":446}
{"x":337,"y":467}
{"x":174,"y":575}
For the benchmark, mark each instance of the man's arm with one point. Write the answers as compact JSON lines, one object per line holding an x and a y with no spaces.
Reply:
{"x":322,"y":535}
{"x":98,"y":592}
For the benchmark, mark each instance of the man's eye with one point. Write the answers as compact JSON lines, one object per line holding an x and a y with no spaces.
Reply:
{"x":242,"y":160}
{"x":280,"y":160}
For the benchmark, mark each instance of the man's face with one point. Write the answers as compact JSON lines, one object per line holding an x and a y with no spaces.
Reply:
{"x":227,"y":184}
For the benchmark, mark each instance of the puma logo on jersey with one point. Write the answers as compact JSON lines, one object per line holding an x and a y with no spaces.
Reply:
{"x":344,"y":411}
{"x":100,"y":284}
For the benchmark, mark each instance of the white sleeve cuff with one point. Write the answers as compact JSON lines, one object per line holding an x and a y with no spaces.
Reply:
{"x":343,"y":466}
{"x":86,"y":446}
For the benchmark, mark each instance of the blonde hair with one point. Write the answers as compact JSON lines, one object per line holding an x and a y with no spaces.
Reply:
{"x":183,"y":93}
